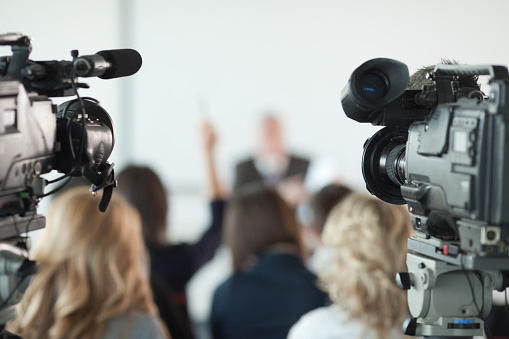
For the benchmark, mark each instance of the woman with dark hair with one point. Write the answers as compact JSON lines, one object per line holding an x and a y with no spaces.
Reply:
{"x":144,"y":190}
{"x":271,"y":287}
{"x":172,"y":266}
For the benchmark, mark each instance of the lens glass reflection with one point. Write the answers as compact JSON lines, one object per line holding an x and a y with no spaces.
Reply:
{"x":373,"y":86}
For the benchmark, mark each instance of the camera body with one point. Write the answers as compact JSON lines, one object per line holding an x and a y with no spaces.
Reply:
{"x":448,"y":160}
{"x":76,"y":138}
{"x":444,"y":152}
{"x":37,"y":137}
{"x":24,"y":119}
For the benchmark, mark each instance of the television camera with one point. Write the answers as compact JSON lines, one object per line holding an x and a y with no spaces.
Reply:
{"x":444,"y":151}
{"x":74,"y":138}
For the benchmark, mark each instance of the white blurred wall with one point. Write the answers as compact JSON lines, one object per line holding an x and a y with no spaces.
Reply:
{"x":239,"y":57}
{"x":228,"y":60}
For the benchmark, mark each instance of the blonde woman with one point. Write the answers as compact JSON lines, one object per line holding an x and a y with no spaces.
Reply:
{"x":93,"y":274}
{"x":369,"y":238}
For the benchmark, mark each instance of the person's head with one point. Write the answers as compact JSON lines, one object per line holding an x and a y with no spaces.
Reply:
{"x":143,"y":189}
{"x":369,"y":239}
{"x":271,"y":135}
{"x":258,"y":218}
{"x":324,"y":200}
{"x":93,"y":266}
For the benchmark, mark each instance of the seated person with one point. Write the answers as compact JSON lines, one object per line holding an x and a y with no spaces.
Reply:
{"x":271,"y":287}
{"x":324,"y":200}
{"x":321,"y":204}
{"x":93,"y":277}
{"x":173,"y":265}
{"x":369,"y":238}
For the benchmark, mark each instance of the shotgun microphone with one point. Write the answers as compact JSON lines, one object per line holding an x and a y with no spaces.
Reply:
{"x":108,"y":64}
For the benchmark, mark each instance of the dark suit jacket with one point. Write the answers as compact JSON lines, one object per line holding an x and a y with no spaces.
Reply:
{"x":246,"y":171}
{"x":265,"y":301}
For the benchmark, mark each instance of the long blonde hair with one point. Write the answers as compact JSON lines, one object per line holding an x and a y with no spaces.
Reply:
{"x":369,"y":238}
{"x":93,"y":266}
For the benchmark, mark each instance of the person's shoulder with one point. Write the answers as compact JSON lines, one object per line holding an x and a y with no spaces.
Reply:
{"x":299,"y":159}
{"x":136,"y":325}
{"x":285,"y":264}
{"x":308,"y":324}
{"x":218,"y":203}
{"x":321,"y":322}
{"x":322,"y":314}
{"x":248,"y":161}
{"x":238,"y":281}
{"x":168,"y":251}
{"x":223,"y":287}
{"x":297,"y":165}
{"x":223,"y":298}
{"x":147,"y":323}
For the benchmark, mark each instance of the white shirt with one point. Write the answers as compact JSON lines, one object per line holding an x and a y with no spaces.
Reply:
{"x":331,"y":323}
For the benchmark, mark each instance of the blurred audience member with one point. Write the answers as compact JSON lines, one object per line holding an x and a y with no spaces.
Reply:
{"x":272,"y":163}
{"x":172,"y":266}
{"x":270,"y":288}
{"x":321,"y":204}
{"x":93,"y":277}
{"x":324,"y":200}
{"x":369,"y":237}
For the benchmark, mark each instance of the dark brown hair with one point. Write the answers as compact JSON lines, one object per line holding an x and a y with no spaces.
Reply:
{"x":143,"y":189}
{"x":257,"y":218}
{"x":324,"y":200}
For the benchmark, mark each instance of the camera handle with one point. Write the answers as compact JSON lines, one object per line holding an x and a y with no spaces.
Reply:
{"x":21,"y":48}
{"x":495,"y":72}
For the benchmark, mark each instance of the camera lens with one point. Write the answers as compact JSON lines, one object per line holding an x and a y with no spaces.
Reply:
{"x":373,"y":86}
{"x":383,"y":162}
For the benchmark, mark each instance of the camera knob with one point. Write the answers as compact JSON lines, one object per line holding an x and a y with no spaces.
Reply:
{"x":410,"y":326}
{"x":403,"y":280}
